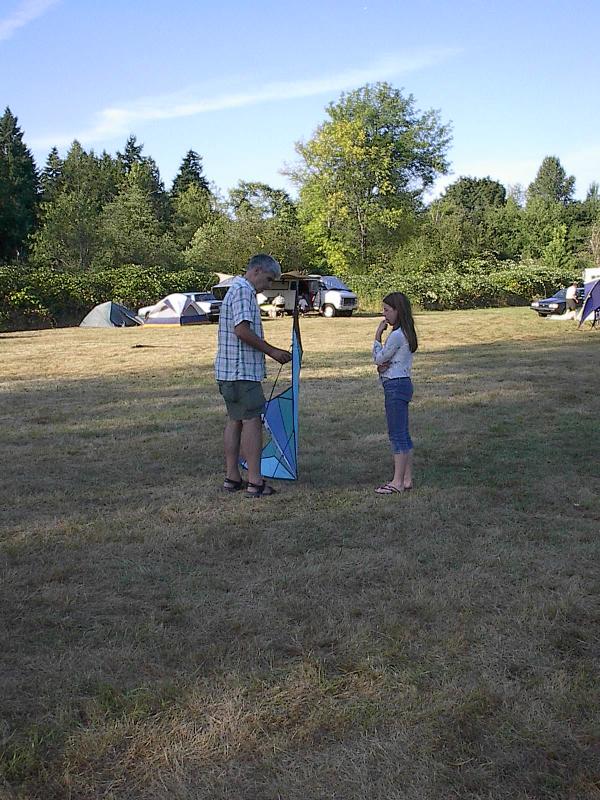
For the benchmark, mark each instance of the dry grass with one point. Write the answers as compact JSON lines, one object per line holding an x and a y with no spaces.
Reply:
{"x":162,"y":640}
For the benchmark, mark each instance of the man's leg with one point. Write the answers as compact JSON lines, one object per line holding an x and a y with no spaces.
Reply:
{"x":251,"y":443}
{"x":232,"y":437}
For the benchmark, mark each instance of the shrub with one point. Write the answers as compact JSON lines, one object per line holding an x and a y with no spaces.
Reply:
{"x":474,"y":283}
{"x":45,"y":296}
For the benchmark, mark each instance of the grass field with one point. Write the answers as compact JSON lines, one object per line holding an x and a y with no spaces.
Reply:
{"x":161,"y":639}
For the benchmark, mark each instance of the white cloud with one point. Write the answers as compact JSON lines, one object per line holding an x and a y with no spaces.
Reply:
{"x":25,"y":12}
{"x":113,"y":122}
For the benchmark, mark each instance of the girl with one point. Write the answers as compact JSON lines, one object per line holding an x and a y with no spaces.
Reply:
{"x":394,"y":363}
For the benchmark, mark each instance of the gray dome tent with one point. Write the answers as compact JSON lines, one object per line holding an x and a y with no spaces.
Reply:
{"x":110,"y":315}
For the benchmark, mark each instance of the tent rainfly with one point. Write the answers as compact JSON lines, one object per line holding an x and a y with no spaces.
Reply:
{"x":591,"y":304}
{"x":110,"y":315}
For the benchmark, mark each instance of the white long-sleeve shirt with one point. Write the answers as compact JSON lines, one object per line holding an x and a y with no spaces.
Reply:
{"x":396,"y":351}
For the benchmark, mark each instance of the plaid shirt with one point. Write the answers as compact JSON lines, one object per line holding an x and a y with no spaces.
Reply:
{"x":236,"y":360}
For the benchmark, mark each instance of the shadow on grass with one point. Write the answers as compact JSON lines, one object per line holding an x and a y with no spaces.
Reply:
{"x":501,"y":416}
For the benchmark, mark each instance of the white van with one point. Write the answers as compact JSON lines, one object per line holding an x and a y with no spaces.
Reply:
{"x":324,"y":294}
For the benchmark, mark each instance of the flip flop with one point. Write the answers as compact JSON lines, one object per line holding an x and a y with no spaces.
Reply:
{"x":387,"y":488}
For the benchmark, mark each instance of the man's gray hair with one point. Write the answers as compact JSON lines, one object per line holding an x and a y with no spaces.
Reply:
{"x":265,"y":263}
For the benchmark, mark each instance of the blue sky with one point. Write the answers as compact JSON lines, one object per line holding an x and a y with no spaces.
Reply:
{"x":241,"y":82}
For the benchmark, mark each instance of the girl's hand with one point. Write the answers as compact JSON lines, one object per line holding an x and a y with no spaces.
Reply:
{"x":381,"y":368}
{"x":380,"y":329}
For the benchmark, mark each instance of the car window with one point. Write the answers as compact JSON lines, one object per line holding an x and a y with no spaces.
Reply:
{"x":561,"y":294}
{"x":335,"y":283}
{"x":205,"y":296}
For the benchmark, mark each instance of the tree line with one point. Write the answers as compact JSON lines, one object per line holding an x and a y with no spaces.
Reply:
{"x":361,"y":210}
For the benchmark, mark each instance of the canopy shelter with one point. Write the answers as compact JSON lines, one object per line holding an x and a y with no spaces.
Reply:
{"x":175,"y":309}
{"x":591,"y":304}
{"x":110,"y":315}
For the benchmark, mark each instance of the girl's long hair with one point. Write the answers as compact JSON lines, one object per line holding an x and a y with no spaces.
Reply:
{"x":400,"y":302}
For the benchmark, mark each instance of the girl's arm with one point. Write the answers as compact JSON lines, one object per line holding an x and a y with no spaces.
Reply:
{"x":385,"y":352}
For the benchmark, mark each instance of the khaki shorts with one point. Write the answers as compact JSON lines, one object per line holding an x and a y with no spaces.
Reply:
{"x":244,"y":399}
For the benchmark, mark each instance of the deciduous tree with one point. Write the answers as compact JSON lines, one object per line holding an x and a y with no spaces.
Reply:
{"x":78,"y":188}
{"x":365,"y":170}
{"x":131,"y":232}
{"x":192,"y":208}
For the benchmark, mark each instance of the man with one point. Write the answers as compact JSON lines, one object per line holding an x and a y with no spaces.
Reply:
{"x":278,"y":303}
{"x":302,"y":304}
{"x":571,"y":297}
{"x":240,"y":368}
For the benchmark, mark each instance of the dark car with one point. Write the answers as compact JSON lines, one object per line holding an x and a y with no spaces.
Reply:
{"x":557,"y":304}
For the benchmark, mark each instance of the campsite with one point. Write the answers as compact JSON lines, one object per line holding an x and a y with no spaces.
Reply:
{"x":163,"y":639}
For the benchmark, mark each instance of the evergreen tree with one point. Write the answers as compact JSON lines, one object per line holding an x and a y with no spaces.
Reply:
{"x":131,"y":155}
{"x":52,"y":176}
{"x":551,"y":183}
{"x":19,"y":185}
{"x":190,"y":173}
{"x":148,"y":176}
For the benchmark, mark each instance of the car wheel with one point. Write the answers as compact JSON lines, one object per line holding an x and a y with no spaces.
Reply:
{"x":328,"y":311}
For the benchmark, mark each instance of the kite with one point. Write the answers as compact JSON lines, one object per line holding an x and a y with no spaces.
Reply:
{"x":280,"y":453}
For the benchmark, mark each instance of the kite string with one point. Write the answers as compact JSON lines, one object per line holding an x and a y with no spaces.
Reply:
{"x":278,"y":374}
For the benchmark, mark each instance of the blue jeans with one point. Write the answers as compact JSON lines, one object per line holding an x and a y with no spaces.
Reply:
{"x":398,"y":393}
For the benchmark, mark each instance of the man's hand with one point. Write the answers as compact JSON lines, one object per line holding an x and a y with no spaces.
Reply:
{"x":281,"y":356}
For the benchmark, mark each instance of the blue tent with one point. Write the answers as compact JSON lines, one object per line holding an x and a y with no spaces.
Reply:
{"x":591,"y":304}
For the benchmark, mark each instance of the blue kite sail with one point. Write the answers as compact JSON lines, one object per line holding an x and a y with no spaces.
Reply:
{"x":280,"y":453}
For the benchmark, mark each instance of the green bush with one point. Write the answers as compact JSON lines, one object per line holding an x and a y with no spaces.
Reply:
{"x":474,"y":283}
{"x":20,"y":307}
{"x":43,"y":297}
